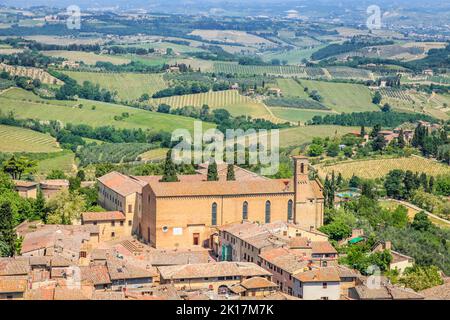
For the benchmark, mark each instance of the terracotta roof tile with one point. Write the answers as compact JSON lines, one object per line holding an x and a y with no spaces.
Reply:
{"x":258,"y":283}
{"x":122,"y":184}
{"x":102,"y":216}
{"x":319,"y":275}
{"x":211,"y":188}
{"x":322,"y":247}
{"x":216,"y":269}
{"x":8,"y":285}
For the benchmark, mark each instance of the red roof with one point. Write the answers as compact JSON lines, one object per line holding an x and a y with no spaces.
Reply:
{"x":103,"y":216}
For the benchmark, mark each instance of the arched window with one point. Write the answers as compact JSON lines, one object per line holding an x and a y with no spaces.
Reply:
{"x":289,"y":210}
{"x":214,"y":214}
{"x":245,"y":210}
{"x":302,"y":168}
{"x":267,"y":211}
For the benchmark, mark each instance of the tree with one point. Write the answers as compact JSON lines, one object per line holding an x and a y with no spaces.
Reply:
{"x":377,"y":98}
{"x":362,"y":132}
{"x":170,"y":171}
{"x":16,"y":168}
{"x":354,"y":182}
{"x":39,"y":208}
{"x":333,"y":149}
{"x":421,"y":222}
{"x":315,"y":150}
{"x":7,"y":234}
{"x":81,"y":175}
{"x":376,"y":129}
{"x":212,"y":171}
{"x":421,"y":277}
{"x":65,"y":207}
{"x":56,"y":174}
{"x":394,"y":184}
{"x":379,"y":143}
{"x":401,"y":143}
{"x":230,"y":173}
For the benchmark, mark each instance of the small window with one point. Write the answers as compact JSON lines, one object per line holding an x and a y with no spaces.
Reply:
{"x":245,"y":210}
{"x":324,"y":285}
{"x":267,"y":213}
{"x":121,"y":223}
{"x":130,"y":222}
{"x":290,"y":215}
{"x":113,"y":234}
{"x":130,"y":208}
{"x":214,"y":214}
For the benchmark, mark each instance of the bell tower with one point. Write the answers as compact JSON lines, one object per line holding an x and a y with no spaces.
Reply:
{"x":306,"y":211}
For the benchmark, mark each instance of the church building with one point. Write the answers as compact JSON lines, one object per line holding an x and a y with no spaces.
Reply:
{"x":188,"y":212}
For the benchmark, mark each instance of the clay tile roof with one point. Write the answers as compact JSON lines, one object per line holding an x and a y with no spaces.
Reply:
{"x":102,"y":216}
{"x":285,"y":259}
{"x":322,"y":247}
{"x":299,"y":242}
{"x":319,"y":275}
{"x":8,"y":285}
{"x":14,"y":267}
{"x":441,"y":292}
{"x":56,"y":183}
{"x":119,"y":270}
{"x":108,"y":295}
{"x":216,"y":269}
{"x":64,"y":293}
{"x":122,"y":184}
{"x":209,"y":188}
{"x":258,"y":283}
{"x":97,"y":275}
{"x":24,"y":184}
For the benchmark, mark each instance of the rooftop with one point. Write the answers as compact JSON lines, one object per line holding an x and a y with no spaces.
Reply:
{"x":102,"y":216}
{"x":319,"y":275}
{"x":211,"y":270}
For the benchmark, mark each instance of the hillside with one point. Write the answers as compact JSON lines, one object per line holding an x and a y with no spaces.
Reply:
{"x":25,"y":104}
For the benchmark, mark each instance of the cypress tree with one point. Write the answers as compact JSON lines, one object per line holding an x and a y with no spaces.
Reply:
{"x":39,"y":206}
{"x":401,"y":140}
{"x":170,"y":172}
{"x":7,"y":234}
{"x":212,"y":171}
{"x":230,"y":173}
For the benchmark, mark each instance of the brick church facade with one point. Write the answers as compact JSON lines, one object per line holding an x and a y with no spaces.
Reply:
{"x":188,"y":212}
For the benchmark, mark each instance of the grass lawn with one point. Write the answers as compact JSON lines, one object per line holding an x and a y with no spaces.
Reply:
{"x":129,"y":86}
{"x":300,"y":135}
{"x":342,"y":97}
{"x":290,"y":87}
{"x":25,"y":104}
{"x":372,"y":169}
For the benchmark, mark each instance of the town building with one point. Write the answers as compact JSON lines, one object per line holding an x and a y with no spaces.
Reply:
{"x":111,"y":224}
{"x":26,"y":189}
{"x":189,"y":212}
{"x":318,"y":284}
{"x":216,"y":276}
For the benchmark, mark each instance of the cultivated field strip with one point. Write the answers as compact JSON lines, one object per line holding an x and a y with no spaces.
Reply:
{"x":14,"y":139}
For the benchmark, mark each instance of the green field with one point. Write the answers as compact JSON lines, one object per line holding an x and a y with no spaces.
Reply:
{"x":15,"y":139}
{"x":342,"y":97}
{"x":225,"y":67}
{"x":372,"y":169}
{"x":290,"y":87}
{"x":291,"y":56}
{"x":231,"y":100}
{"x":87,"y":57}
{"x":64,"y":161}
{"x":25,"y":104}
{"x":300,"y":135}
{"x":129,"y":86}
{"x":292,"y":114}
